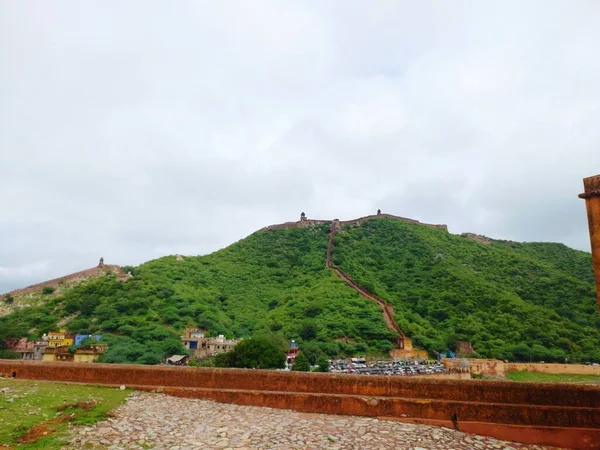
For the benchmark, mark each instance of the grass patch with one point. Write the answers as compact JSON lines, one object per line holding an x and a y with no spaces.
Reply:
{"x":552,"y":377}
{"x":36,"y":415}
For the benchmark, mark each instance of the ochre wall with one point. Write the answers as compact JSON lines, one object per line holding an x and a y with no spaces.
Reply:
{"x":554,"y":368}
{"x":491,"y":367}
{"x":248,"y":379}
{"x":494,"y":367}
{"x":561,"y":415}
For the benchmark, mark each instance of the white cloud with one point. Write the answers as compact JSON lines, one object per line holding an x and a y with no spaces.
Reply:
{"x":130,"y":130}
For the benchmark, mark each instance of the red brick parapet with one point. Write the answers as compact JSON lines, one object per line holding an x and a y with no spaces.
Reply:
{"x":563,"y":415}
{"x":591,"y":195}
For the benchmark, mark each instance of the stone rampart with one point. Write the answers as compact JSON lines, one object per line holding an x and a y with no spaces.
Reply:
{"x":490,"y":367}
{"x":359,"y":221}
{"x":572,"y":369}
{"x":84,"y":274}
{"x":495,"y":367}
{"x":554,"y":414}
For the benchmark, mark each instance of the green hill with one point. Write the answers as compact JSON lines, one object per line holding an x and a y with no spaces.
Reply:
{"x":515,"y":301}
{"x":511,"y":300}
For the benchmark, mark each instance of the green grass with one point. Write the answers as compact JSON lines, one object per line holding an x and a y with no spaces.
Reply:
{"x":552,"y":377}
{"x":32,"y":407}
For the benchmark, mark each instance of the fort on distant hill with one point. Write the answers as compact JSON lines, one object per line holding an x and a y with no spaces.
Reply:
{"x":306,"y":222}
{"x":100,"y":269}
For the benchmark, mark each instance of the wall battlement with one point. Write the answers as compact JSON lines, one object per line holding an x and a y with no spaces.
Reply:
{"x":312,"y":222}
{"x":84,"y":274}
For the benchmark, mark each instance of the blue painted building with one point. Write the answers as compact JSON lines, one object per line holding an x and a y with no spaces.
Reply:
{"x":79,"y":338}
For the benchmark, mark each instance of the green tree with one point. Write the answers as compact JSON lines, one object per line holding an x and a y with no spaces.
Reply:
{"x":323,"y":363}
{"x":309,"y":330}
{"x":47,"y":290}
{"x":301,"y":363}
{"x":259,"y":352}
{"x":9,"y":299}
{"x":8,"y":354}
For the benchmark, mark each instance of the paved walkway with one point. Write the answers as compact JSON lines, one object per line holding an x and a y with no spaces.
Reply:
{"x":162,"y":422}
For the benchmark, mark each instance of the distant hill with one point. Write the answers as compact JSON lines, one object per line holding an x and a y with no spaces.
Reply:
{"x":511,"y":300}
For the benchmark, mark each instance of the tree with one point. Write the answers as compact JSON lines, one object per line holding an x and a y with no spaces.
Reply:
{"x":8,"y":354}
{"x":259,"y":352}
{"x":323,"y":363}
{"x":47,"y":290}
{"x":309,"y":330}
{"x":9,"y":299}
{"x":301,"y":363}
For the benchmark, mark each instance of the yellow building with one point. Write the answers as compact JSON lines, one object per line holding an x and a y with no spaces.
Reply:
{"x":59,"y":338}
{"x":57,"y":353}
{"x":88,"y":354}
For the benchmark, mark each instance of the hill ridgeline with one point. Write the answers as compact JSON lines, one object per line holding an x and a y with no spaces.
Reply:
{"x":342,"y":288}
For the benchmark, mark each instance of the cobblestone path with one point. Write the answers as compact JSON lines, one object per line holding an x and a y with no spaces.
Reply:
{"x":162,"y":422}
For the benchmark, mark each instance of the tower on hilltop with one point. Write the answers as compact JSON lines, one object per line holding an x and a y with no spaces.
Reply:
{"x":591,"y":195}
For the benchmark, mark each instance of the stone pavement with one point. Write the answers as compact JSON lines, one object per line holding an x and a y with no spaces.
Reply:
{"x":159,"y":421}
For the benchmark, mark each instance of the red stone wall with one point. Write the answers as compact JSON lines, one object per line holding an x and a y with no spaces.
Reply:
{"x":248,"y":379}
{"x":543,"y":413}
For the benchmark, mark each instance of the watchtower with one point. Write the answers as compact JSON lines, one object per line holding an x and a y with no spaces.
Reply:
{"x":591,"y":194}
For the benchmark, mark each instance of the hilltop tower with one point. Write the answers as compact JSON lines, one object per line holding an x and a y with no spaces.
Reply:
{"x":591,"y":194}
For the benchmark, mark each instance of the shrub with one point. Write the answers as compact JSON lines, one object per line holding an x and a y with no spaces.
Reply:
{"x":309,"y":330}
{"x":323,"y":363}
{"x":8,"y":354}
{"x":301,"y":363}
{"x":260,"y":352}
{"x":47,"y":290}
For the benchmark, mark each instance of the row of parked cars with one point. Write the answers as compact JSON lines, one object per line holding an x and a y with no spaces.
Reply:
{"x":405,"y":367}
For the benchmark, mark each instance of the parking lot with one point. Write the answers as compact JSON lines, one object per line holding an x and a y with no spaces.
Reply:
{"x":401,"y":367}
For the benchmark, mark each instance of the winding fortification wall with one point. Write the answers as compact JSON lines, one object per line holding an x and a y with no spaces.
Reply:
{"x":359,"y":221}
{"x":563,"y":415}
{"x":84,"y":274}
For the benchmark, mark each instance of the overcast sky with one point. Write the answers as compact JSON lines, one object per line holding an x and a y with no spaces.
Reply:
{"x":137,"y":129}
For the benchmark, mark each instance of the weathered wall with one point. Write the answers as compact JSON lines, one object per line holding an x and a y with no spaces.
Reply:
{"x":84,"y":274}
{"x":359,"y":221}
{"x":248,"y":379}
{"x":564,"y":413}
{"x":490,"y":367}
{"x":495,"y":367}
{"x":580,"y":369}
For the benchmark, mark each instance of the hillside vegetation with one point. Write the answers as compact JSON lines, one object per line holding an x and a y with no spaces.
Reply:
{"x":270,"y":282}
{"x":512,"y":301}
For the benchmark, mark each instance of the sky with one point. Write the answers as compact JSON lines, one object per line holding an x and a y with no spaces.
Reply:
{"x":137,"y":129}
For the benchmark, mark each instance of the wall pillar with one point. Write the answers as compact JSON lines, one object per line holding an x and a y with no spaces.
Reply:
{"x":591,"y":187}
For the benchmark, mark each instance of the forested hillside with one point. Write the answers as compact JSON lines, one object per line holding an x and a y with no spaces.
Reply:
{"x":512,"y":301}
{"x":270,"y":282}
